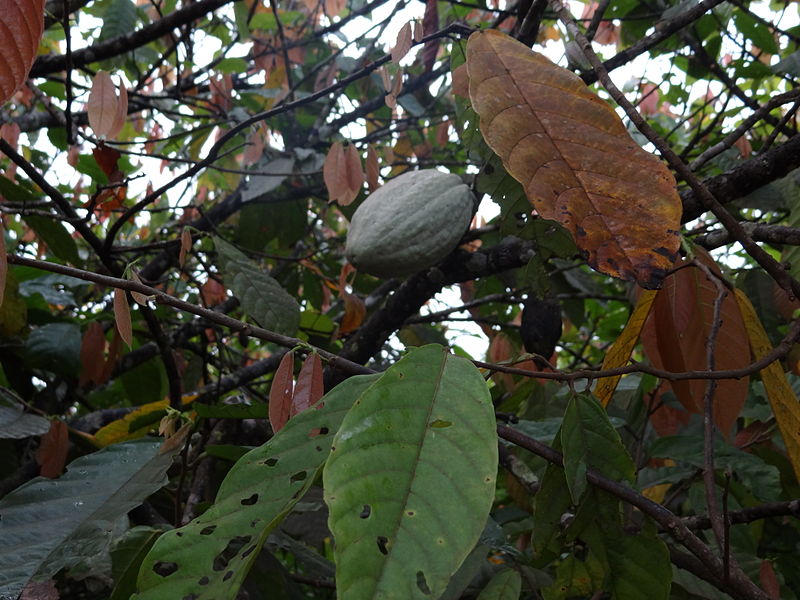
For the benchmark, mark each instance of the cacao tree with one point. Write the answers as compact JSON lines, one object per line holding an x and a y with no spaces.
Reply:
{"x":562,"y":364}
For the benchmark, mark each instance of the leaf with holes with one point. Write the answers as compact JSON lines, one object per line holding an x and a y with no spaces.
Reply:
{"x":261,"y":296}
{"x":411,"y":478}
{"x":20,"y":33}
{"x":576,"y":160}
{"x":52,"y":523}
{"x":209,"y":558}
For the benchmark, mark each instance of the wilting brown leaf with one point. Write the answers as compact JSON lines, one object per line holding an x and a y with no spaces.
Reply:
{"x":3,"y":262}
{"x":52,"y":452}
{"x":19,"y":37}
{"x":92,"y":354}
{"x":114,"y":351}
{"x":138,"y":297}
{"x":403,"y":43}
{"x":107,"y":111}
{"x":122,"y":315}
{"x":212,"y":292}
{"x":373,"y":169}
{"x":342,"y":173}
{"x":309,"y":388}
{"x":385,"y":79}
{"x":417,"y":36}
{"x":354,"y":312}
{"x":281,"y":392}
{"x":575,"y":159}
{"x":186,"y":245}
{"x":676,"y":334}
{"x":460,"y":81}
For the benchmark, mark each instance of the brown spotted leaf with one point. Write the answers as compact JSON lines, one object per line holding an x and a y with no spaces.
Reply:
{"x":20,"y":31}
{"x":577,"y":162}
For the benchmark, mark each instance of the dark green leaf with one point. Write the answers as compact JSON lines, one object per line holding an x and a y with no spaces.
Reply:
{"x":55,"y":235}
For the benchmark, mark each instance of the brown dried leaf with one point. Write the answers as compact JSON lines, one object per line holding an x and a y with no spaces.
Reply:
{"x":310,"y":386}
{"x":138,"y":297}
{"x":106,"y":158}
{"x":52,"y":452}
{"x":281,"y":392}
{"x":122,"y":315}
{"x":417,"y":35}
{"x":575,"y":158}
{"x":342,"y":173}
{"x":354,"y":312}
{"x":355,"y":175}
{"x":92,"y":354}
{"x":186,"y":245}
{"x":19,"y":37}
{"x":403,"y":43}
{"x":386,"y":79}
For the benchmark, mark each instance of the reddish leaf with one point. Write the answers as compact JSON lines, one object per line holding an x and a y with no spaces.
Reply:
{"x":3,"y":262}
{"x":417,"y":35}
{"x":213,"y":292}
{"x":40,"y":590}
{"x":403,"y":43}
{"x":575,"y":159}
{"x":373,"y":169}
{"x":281,"y":392}
{"x":20,"y":33}
{"x":310,"y":387}
{"x":114,"y":351}
{"x":92,"y":354}
{"x":138,"y":297}
{"x":342,"y":173}
{"x":769,"y":580}
{"x":676,"y":334}
{"x":430,"y":24}
{"x":52,"y":452}
{"x":354,"y":312}
{"x":122,"y":314}
{"x":107,"y":111}
{"x":106,"y":158}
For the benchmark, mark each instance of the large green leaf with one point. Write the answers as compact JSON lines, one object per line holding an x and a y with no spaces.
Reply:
{"x":590,"y":441}
{"x":55,"y":347}
{"x":127,"y":556}
{"x":119,"y":19}
{"x":261,"y":296}
{"x":210,"y":557}
{"x":47,"y":524}
{"x":411,"y":477}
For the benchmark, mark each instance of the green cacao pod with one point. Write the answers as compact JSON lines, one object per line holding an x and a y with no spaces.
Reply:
{"x":409,"y":224}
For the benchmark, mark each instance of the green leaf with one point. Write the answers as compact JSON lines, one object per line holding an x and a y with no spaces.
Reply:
{"x":209,"y":558}
{"x":126,"y":557}
{"x":261,"y":296}
{"x":591,"y":442}
{"x":14,"y":192}
{"x":506,"y":585}
{"x":14,"y":422}
{"x":120,"y":18}
{"x":755,"y":31}
{"x":639,"y":563}
{"x":55,"y":347}
{"x":55,"y":235}
{"x":408,"y":500}
{"x":47,"y":524}
{"x":550,"y":503}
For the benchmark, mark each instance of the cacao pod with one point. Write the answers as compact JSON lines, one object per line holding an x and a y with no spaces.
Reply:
{"x":541,"y":326}
{"x":410,"y":223}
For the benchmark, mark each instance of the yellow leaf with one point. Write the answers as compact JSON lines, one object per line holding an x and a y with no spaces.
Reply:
{"x":781,"y":397}
{"x":120,"y":430}
{"x":620,"y":351}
